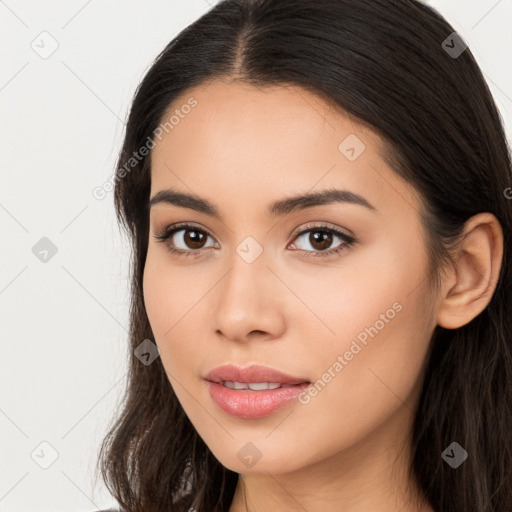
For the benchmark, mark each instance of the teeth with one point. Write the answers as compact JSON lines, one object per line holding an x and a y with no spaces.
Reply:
{"x":255,"y":386}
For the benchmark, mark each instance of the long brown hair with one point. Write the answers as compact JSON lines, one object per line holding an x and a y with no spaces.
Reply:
{"x":397,"y":66}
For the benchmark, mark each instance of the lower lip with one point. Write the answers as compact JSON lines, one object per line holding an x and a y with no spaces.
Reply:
{"x":249,"y":404}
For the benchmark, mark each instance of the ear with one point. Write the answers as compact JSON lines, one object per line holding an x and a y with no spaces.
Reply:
{"x":472,"y":280}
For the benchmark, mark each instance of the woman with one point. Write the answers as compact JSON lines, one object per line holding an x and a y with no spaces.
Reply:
{"x":318,"y":197}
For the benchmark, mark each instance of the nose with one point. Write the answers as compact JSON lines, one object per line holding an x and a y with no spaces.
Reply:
{"x":249,"y":302}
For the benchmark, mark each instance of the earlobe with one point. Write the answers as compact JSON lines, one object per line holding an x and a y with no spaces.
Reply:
{"x":475,"y":272}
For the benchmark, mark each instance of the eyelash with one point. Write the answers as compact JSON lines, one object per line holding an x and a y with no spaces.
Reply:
{"x":169,"y":231}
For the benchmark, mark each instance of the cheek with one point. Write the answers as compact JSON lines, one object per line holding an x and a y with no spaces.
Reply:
{"x":379,"y":286}
{"x":173,"y":297}
{"x":364,"y":383}
{"x":371,"y":363}
{"x":168,"y":292}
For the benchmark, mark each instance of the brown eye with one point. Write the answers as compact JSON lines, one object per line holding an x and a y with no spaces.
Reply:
{"x":319,"y":239}
{"x":193,"y":238}
{"x":183,"y":239}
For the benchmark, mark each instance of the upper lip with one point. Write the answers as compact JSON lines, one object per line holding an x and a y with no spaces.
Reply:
{"x":252,"y":373}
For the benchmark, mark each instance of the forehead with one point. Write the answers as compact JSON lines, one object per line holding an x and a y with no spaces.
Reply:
{"x":264,"y":141}
{"x":252,"y":116}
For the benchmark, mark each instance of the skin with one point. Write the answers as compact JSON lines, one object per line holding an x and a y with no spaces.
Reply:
{"x":242,"y":148}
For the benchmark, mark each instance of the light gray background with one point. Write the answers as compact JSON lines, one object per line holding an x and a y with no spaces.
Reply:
{"x":64,"y":322}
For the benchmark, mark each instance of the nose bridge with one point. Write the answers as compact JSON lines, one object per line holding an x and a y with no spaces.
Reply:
{"x":244,"y":284}
{"x":245,"y":301}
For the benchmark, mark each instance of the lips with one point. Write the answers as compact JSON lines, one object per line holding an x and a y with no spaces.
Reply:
{"x":252,"y":405}
{"x":253,"y":374}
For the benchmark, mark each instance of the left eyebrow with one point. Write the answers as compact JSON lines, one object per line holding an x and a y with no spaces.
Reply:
{"x":276,"y":209}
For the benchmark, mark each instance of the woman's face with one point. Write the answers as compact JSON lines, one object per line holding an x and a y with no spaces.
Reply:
{"x":281,"y":289}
